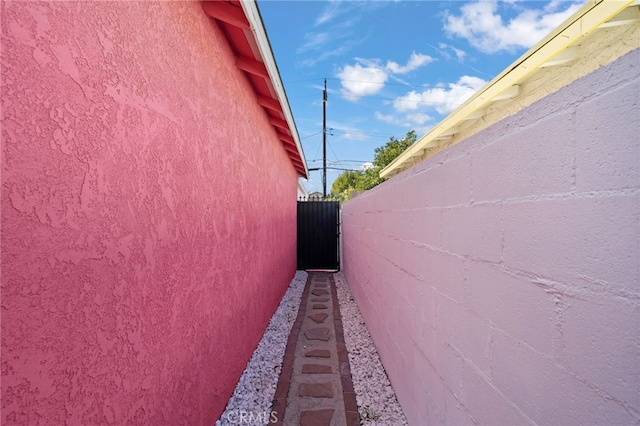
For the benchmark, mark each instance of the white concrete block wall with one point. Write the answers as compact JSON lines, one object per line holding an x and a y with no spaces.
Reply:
{"x":500,"y":279}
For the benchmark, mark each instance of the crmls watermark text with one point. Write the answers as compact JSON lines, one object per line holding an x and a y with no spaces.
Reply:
{"x":251,"y":417}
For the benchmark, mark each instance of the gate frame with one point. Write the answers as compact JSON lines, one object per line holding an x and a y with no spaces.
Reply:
{"x":300,"y":265}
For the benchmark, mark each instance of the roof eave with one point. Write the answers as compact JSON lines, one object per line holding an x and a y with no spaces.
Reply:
{"x":585,"y":20}
{"x":247,"y":17}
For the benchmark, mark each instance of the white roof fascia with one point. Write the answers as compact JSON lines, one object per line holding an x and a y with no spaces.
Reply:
{"x":250,"y":8}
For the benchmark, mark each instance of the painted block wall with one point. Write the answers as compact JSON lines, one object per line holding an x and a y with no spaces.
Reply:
{"x":500,"y":278}
{"x":147,"y":211}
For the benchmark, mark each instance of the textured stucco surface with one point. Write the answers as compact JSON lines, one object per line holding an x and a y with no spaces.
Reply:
{"x":500,"y":279}
{"x":148,"y":215}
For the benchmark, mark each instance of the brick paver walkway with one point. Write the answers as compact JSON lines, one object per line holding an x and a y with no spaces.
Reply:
{"x":315,"y":388}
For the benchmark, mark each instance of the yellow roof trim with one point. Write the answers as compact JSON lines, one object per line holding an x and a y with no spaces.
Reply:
{"x":585,"y":20}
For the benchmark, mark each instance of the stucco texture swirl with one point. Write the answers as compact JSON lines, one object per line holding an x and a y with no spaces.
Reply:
{"x":148,"y":215}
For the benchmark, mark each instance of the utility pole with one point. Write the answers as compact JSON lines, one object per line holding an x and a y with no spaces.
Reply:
{"x":324,"y":140}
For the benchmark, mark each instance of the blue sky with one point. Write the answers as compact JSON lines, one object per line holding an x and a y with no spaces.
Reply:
{"x":392,"y":66}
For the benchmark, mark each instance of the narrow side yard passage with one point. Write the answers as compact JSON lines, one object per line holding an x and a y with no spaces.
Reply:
{"x":315,"y":383}
{"x":319,"y":369}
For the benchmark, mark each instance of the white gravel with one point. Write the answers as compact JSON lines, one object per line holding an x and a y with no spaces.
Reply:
{"x":252,"y":398}
{"x":376,"y":399}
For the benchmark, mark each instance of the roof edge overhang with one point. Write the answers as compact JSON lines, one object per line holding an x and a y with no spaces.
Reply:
{"x":247,"y":17}
{"x":550,"y":51}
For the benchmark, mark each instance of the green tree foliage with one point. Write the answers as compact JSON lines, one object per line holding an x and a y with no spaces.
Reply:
{"x":363,"y":180}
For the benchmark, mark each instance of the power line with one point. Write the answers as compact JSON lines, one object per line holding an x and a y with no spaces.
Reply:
{"x":359,"y":131}
{"x":355,"y":81}
{"x":314,"y":169}
{"x":313,"y":134}
{"x":409,"y":100}
{"x":334,"y":153}
{"x":343,"y":161}
{"x":384,"y":83}
{"x":385,"y":97}
{"x":305,"y":96}
{"x":347,"y":131}
{"x":303,"y":81}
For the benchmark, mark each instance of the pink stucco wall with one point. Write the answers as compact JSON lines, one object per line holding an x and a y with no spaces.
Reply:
{"x":148,"y":215}
{"x":500,"y":279}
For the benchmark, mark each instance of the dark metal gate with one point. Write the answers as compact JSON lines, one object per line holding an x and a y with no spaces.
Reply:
{"x":318,"y":235}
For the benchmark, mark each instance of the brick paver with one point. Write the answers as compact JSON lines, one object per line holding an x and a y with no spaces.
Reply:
{"x":316,"y":417}
{"x":316,"y":390}
{"x":320,"y":333}
{"x":318,"y":353}
{"x":316,"y":369}
{"x":315,"y":386}
{"x":318,"y":318}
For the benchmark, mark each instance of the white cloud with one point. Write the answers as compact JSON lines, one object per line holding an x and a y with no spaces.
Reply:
{"x":358,"y":81}
{"x":443,"y":98}
{"x":346,"y":131}
{"x":414,"y":121}
{"x":460,"y":54}
{"x":368,"y":76}
{"x":447,"y":50}
{"x":483,"y":27}
{"x":336,"y":37}
{"x":330,"y":12}
{"x":389,"y":119}
{"x":415,"y":61}
{"x":354,"y":135}
{"x":366,"y":165}
{"x":312,"y":60}
{"x":419,"y":118}
{"x":314,"y":41}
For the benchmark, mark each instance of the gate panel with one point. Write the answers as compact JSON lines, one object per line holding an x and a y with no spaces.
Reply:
{"x":318,"y":235}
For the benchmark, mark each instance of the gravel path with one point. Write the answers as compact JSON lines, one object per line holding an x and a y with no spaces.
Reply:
{"x":376,"y":398}
{"x":254,"y":392}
